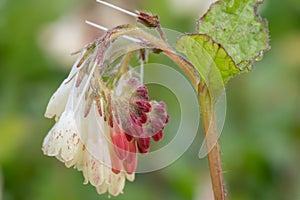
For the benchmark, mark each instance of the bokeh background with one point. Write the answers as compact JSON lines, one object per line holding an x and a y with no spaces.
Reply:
{"x":260,"y":141}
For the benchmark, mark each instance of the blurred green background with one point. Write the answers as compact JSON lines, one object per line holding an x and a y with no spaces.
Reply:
{"x":260,"y":141}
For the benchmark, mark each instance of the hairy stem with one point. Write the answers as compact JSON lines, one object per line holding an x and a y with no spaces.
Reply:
{"x":212,"y":142}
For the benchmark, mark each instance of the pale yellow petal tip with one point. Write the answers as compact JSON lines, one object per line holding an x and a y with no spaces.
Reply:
{"x":101,"y":189}
{"x":48,"y":115}
{"x":130,"y":177}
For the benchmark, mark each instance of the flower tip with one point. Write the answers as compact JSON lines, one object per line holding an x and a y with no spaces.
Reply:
{"x":167,"y":118}
{"x":144,"y":145}
{"x":129,"y":137}
{"x":148,"y":20}
{"x":158,"y":136}
{"x":116,"y":171}
{"x":48,"y":115}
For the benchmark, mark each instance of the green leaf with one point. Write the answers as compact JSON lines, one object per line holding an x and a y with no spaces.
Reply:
{"x":210,"y":59}
{"x":236,"y":25}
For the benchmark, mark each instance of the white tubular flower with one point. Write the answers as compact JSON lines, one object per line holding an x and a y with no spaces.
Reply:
{"x":63,"y":139}
{"x":59,"y":99}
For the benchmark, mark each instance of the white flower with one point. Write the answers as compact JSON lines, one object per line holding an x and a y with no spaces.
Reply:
{"x":64,"y":142}
{"x":83,"y":142}
{"x":63,"y":139}
{"x":59,"y":99}
{"x":101,"y":126}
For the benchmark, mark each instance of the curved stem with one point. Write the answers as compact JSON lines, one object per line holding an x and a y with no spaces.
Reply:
{"x":214,"y":157}
{"x":152,"y":41}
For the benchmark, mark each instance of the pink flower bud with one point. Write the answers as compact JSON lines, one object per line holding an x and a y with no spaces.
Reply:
{"x":143,"y":105}
{"x":158,"y":136}
{"x":120,"y":142}
{"x":142,"y":92}
{"x":144,"y":145}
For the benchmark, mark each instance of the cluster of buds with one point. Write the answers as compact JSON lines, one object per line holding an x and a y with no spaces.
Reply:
{"x":135,"y":121}
{"x":103,"y":117}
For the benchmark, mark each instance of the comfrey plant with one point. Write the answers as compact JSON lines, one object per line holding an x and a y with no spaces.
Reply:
{"x":102,"y":110}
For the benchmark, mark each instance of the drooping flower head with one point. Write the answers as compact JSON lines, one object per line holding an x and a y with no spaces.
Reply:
{"x":103,"y":115}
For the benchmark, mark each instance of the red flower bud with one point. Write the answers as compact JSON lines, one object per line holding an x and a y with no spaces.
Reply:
{"x":129,"y":137}
{"x":167,"y":118}
{"x":143,"y":105}
{"x":142,"y":92}
{"x":158,"y":136}
{"x":143,"y":145}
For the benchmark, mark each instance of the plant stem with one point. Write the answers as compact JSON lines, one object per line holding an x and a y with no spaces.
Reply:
{"x":212,"y":142}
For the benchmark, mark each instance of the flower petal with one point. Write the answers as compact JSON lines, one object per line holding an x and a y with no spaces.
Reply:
{"x":63,"y":140}
{"x":117,"y":183}
{"x":59,"y":100}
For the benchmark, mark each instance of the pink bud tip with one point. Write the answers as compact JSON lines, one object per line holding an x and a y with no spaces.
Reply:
{"x":143,"y":145}
{"x":167,"y":119}
{"x":142,"y":92}
{"x":129,"y":137}
{"x":158,"y":136}
{"x":143,"y":105}
{"x":116,"y":171}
